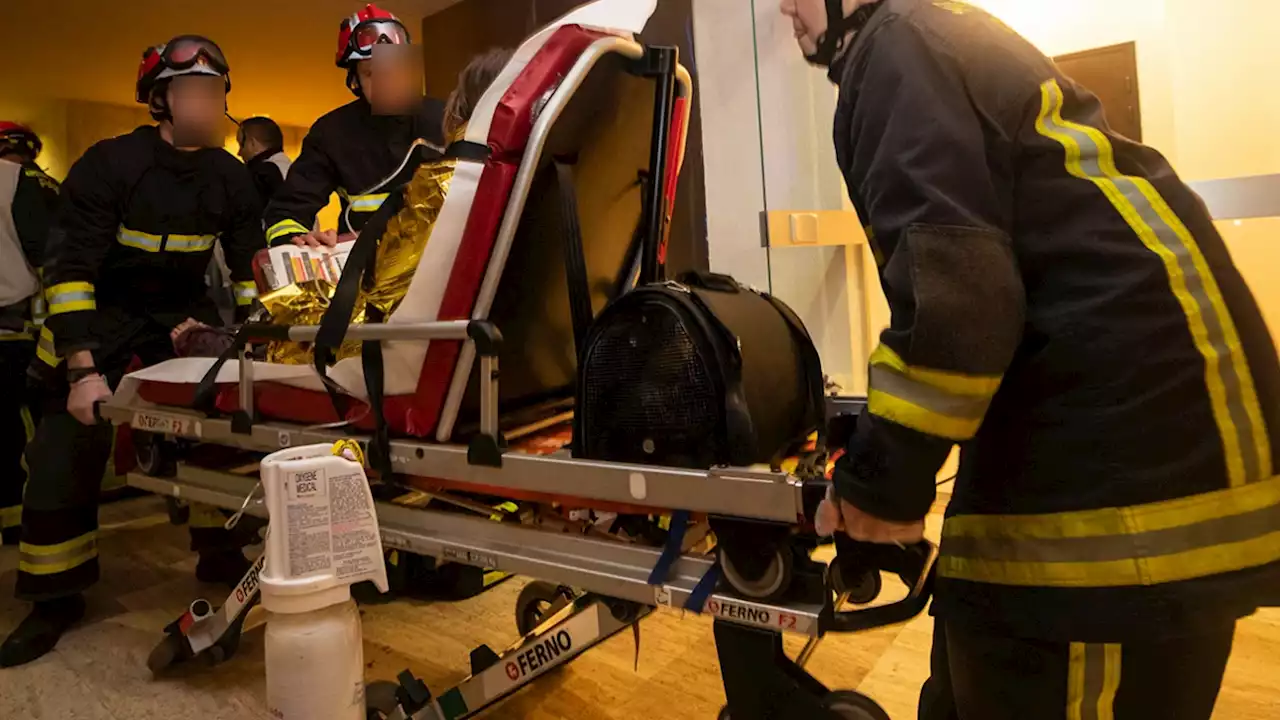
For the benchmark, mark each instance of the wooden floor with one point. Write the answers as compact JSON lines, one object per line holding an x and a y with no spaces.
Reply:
{"x":99,"y":673}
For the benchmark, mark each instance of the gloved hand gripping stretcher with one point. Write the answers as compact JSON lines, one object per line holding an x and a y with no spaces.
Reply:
{"x":558,"y":205}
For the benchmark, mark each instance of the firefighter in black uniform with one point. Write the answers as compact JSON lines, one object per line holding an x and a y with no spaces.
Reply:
{"x":125,"y":268}
{"x":28,"y":198}
{"x":351,"y":149}
{"x":1064,"y":309}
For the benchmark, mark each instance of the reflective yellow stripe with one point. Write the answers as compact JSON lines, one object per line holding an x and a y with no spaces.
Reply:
{"x":45,"y":348}
{"x":286,"y":227}
{"x":10,"y":517}
{"x":949,"y":382}
{"x":54,"y":559}
{"x":937,"y":402}
{"x":70,"y":297}
{"x":189,"y":243}
{"x":1236,"y":410}
{"x":1218,"y":532}
{"x":156,"y":243}
{"x":1093,"y":677}
{"x":246,"y":292}
{"x":367,"y":203}
{"x":1111,"y":656}
{"x":139,"y":240}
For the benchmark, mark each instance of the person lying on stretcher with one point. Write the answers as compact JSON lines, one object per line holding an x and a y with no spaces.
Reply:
{"x":399,"y":250}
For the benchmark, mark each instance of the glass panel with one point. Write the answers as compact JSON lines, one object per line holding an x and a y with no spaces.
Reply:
{"x":818,"y":262}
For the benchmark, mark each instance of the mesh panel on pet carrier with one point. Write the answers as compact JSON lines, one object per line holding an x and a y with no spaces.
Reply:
{"x":649,"y":398}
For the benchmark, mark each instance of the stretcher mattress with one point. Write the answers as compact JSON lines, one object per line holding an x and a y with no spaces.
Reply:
{"x":459,"y":259}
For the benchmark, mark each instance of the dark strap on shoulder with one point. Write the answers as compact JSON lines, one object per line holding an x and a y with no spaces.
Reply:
{"x":575,"y":261}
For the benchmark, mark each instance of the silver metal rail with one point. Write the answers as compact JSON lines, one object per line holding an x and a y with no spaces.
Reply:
{"x":736,"y":492}
{"x":606,"y":568}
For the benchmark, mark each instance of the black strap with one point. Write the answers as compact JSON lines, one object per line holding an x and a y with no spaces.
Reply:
{"x":206,"y":397}
{"x":336,"y":320}
{"x":467,"y":151}
{"x":575,"y":261}
{"x":379,"y":454}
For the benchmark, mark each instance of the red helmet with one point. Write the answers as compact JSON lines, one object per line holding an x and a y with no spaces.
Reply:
{"x":359,"y":33}
{"x":20,"y":139}
{"x":183,"y":55}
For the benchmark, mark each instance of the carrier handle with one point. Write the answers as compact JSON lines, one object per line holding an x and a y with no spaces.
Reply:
{"x":913,"y":564}
{"x":710,"y":281}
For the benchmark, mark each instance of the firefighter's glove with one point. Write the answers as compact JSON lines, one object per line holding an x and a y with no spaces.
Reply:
{"x":85,"y":395}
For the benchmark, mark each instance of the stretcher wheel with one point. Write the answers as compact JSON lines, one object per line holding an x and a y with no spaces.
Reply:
{"x":770,"y":582}
{"x":156,"y":456}
{"x":380,"y":699}
{"x":168,"y":653}
{"x":849,"y":705}
{"x":862,"y":591}
{"x":539,"y":601}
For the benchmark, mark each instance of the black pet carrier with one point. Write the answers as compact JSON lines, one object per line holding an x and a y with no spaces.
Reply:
{"x":697,"y":373}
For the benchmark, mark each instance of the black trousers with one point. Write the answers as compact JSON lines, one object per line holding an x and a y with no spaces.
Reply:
{"x":989,"y":677}
{"x":17,"y":422}
{"x":58,"y":555}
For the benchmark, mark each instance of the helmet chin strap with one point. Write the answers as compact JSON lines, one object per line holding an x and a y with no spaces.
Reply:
{"x":838,"y":31}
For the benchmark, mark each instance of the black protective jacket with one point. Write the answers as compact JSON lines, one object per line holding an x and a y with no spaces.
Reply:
{"x":35,"y":200}
{"x":1064,"y":309}
{"x":268,"y":176}
{"x":347,"y":151}
{"x":34,"y":203}
{"x":134,"y":237}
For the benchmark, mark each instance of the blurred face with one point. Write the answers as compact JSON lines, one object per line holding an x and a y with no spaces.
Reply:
{"x":808,"y":20}
{"x":392,"y":79}
{"x":198,"y":105}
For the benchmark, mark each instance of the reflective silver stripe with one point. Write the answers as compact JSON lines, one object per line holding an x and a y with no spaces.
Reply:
{"x":45,"y":349}
{"x":70,"y":297}
{"x":367,"y":203}
{"x":189,"y":243}
{"x":42,"y":560}
{"x":1089,"y":155}
{"x":888,"y":380}
{"x":246,"y":293}
{"x":141,"y":241}
{"x":1231,"y":529}
{"x":1093,"y":677}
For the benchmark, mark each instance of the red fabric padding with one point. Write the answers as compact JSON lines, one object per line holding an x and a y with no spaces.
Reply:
{"x":513,"y":120}
{"x":418,"y":414}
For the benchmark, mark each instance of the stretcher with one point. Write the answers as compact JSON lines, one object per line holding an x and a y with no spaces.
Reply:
{"x":433,"y":419}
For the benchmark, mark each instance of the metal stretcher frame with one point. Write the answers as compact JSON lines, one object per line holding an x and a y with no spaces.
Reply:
{"x":605,"y":568}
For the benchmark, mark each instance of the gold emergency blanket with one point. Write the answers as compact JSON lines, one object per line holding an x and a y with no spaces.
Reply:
{"x":397,"y":258}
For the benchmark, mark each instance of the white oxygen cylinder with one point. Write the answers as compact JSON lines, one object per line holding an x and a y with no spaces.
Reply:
{"x":322,"y":538}
{"x":315,"y":664}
